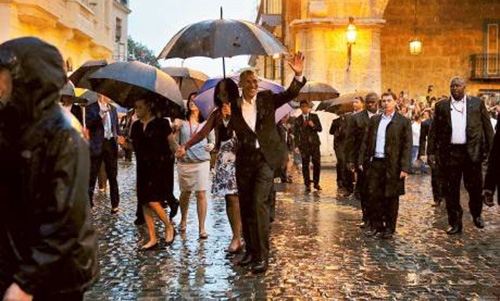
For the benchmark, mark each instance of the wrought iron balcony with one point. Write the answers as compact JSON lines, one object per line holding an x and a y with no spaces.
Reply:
{"x":485,"y":66}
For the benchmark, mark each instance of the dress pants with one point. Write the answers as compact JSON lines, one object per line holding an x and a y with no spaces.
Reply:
{"x":385,"y":209}
{"x":345,"y":176}
{"x":437,"y":183}
{"x":255,"y":179}
{"x":360,"y":189}
{"x":459,"y":164}
{"x":108,"y":156}
{"x":307,"y":154}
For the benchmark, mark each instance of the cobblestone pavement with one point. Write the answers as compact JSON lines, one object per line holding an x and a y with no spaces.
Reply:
{"x":317,"y":252}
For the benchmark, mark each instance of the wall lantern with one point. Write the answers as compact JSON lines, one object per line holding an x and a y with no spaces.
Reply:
{"x":351,"y":34}
{"x":415,"y":43}
{"x":415,"y":46}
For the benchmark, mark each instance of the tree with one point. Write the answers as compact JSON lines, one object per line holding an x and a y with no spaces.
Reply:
{"x":140,"y":52}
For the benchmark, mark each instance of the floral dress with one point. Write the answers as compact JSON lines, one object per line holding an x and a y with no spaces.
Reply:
{"x":224,"y":181}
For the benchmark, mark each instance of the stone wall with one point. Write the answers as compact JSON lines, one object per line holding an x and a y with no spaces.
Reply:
{"x":450,"y":33}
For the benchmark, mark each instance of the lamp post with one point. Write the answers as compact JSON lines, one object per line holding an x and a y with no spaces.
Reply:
{"x":351,"y":34}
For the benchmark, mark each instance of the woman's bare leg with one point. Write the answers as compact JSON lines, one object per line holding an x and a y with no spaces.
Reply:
{"x":202,"y":212}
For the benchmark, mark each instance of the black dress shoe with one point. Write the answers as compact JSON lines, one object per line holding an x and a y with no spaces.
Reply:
{"x":308,"y":188}
{"x":245,"y":261}
{"x":260,"y":267}
{"x":454,"y":230}
{"x":371,"y":232}
{"x":317,"y":187}
{"x":174,"y":208}
{"x":362,"y":225}
{"x":139,"y":221}
{"x":387,"y":234}
{"x":478,"y":222}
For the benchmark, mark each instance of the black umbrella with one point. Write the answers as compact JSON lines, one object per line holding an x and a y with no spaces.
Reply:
{"x":125,"y":82}
{"x":342,"y":104}
{"x":317,"y":91}
{"x":221,"y":38}
{"x":80,"y":76}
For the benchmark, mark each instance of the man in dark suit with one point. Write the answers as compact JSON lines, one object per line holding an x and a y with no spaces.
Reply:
{"x":102,"y":123}
{"x":345,"y":178}
{"x":385,"y":153}
{"x":460,"y":139}
{"x":436,"y":177}
{"x":356,"y":128}
{"x":260,"y":152}
{"x":492,"y":178}
{"x":307,"y":127}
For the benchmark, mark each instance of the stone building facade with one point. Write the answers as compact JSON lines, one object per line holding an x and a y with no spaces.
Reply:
{"x":457,"y":39}
{"x":81,"y":29}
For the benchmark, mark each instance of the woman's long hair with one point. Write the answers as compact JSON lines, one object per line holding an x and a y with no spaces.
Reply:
{"x":188,"y":110}
{"x":232,"y":92}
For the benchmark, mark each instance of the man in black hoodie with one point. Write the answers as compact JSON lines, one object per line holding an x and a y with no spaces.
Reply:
{"x":48,"y":247}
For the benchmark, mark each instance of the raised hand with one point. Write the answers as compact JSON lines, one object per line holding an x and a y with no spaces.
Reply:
{"x":296,"y":62}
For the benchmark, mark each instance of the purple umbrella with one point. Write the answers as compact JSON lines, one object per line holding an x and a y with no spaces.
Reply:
{"x":205,"y":99}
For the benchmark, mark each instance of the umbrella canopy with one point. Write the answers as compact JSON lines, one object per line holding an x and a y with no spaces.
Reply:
{"x":80,"y":76}
{"x":205,"y":99}
{"x":221,"y":38}
{"x":188,"y":80}
{"x":125,"y":82}
{"x":342,"y":104}
{"x":317,"y":91}
{"x":282,"y":112}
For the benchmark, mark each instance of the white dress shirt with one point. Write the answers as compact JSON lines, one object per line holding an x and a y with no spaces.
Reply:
{"x":458,"y":120}
{"x":106,"y":120}
{"x":382,"y":128}
{"x":249,"y":111}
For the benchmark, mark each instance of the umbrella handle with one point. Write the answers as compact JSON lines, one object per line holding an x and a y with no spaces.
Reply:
{"x":224,"y":66}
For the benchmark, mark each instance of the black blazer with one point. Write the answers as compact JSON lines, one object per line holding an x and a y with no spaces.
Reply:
{"x":492,"y":178}
{"x":266,"y":131}
{"x":398,"y":143}
{"x":77,"y":111}
{"x":307,"y":136}
{"x":479,"y":131}
{"x":424,"y":134}
{"x":357,"y":125}
{"x":96,"y":127}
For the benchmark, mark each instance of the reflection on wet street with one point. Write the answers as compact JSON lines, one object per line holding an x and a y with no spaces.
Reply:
{"x":317,"y":251}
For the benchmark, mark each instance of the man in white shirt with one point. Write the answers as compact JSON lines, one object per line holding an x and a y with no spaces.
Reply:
{"x":459,"y":140}
{"x":260,"y":153}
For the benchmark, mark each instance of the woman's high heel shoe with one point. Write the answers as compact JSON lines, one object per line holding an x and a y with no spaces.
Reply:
{"x":149,"y":248}
{"x":173,"y":237}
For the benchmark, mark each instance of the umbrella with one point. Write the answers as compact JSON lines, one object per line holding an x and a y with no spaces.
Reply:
{"x":221,"y":38}
{"x":80,"y":76}
{"x":125,"y":82}
{"x":343,"y":104}
{"x":205,"y":99}
{"x":189,"y":80}
{"x":282,"y":112}
{"x":317,"y":91}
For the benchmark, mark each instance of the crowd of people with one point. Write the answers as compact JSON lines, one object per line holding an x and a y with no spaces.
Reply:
{"x":47,"y":241}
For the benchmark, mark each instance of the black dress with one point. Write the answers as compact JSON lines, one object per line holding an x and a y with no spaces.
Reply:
{"x":154,"y":159}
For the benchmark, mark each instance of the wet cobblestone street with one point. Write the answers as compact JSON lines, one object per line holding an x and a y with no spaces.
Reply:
{"x":317,"y":251}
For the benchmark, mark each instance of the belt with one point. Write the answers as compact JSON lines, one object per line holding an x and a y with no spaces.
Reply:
{"x":378,"y":159}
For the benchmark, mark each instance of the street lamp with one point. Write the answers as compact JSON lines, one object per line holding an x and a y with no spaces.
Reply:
{"x":351,"y":34}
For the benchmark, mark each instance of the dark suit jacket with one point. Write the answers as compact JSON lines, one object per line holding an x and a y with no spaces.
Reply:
{"x":357,"y":125}
{"x":77,"y":112}
{"x":266,"y":131}
{"x":398,"y":143}
{"x":306,"y":136}
{"x":425,"y":127}
{"x":479,"y":131}
{"x":492,"y":178}
{"x":96,"y":127}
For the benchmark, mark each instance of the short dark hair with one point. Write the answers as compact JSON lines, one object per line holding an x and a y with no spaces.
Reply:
{"x":232,"y":91}
{"x":304,"y":101}
{"x":371,"y":97}
{"x":389,"y":94}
